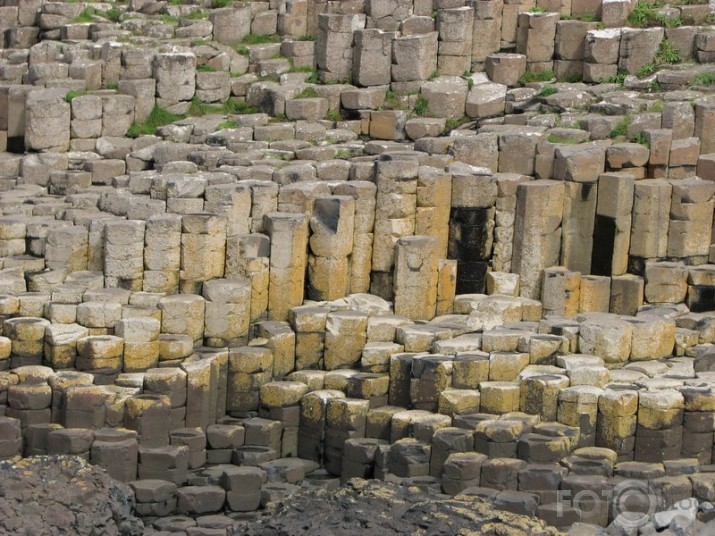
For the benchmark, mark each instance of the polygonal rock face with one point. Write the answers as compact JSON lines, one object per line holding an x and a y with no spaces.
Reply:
{"x":225,"y":275}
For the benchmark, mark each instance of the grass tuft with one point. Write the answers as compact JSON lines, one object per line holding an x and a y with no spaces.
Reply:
{"x":71,"y":95}
{"x":553,"y":138}
{"x":421,"y":107}
{"x":704,"y":79}
{"x":529,"y":77}
{"x":158,"y":118}
{"x":621,"y":129}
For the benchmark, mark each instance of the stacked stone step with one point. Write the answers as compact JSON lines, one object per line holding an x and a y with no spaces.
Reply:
{"x":345,"y":419}
{"x":222,"y":439}
{"x":474,"y":193}
{"x":249,"y":368}
{"x":26,"y":335}
{"x":331,"y":242}
{"x":264,"y":437}
{"x":162,"y":253}
{"x":396,"y":204}
{"x":30,"y":399}
{"x":601,"y":49}
{"x":170,"y":381}
{"x":70,"y":441}
{"x":359,"y":456}
{"x":313,"y":423}
{"x":308,"y":323}
{"x":650,"y":202}
{"x":363,"y":192}
{"x":535,"y":39}
{"x":690,"y":214}
{"x":11,"y":444}
{"x":247,"y":257}
{"x":700,"y":283}
{"x":280,"y":402}
{"x":203,"y":250}
{"x":696,"y":442}
{"x":117,"y":451}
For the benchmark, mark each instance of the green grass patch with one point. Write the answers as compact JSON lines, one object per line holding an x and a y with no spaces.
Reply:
{"x":216,"y":4}
{"x":313,"y":78}
{"x":470,"y":81}
{"x":307,"y":93}
{"x":642,"y":139}
{"x":644,"y":15}
{"x":646,"y":70}
{"x":114,"y":14}
{"x":704,"y":79}
{"x":391,"y":100}
{"x":667,"y":53}
{"x":421,"y":106}
{"x":548,"y":91}
{"x":654,"y":87}
{"x":205,"y":69}
{"x":553,"y":138}
{"x":529,"y":77}
{"x":334,"y":115}
{"x":621,"y":129}
{"x":456,"y":123}
{"x":86,"y":15}
{"x":618,"y":78}
{"x":226,"y":124}
{"x":254,"y":39}
{"x":238,"y":107}
{"x":158,"y":118}
{"x":588,"y":18}
{"x":537,"y":10}
{"x":231,"y":106}
{"x":113,"y":85}
{"x":571,"y":78}
{"x":306,"y":37}
{"x":195,"y":15}
{"x":71,"y":95}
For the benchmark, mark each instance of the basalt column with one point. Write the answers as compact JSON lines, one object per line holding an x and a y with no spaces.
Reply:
{"x":471,"y":225}
{"x":539,"y":208}
{"x":289,"y":242}
{"x":162,"y":253}
{"x":363,"y":192}
{"x":332,"y":224}
{"x":434,"y":192}
{"x":649,"y":228}
{"x":416,"y":276}
{"x":394,"y":217}
{"x":691,"y":216}
{"x":612,"y":228}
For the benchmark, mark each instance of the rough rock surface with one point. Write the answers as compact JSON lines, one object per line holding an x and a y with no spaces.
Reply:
{"x":381,"y":508}
{"x":63,"y":495}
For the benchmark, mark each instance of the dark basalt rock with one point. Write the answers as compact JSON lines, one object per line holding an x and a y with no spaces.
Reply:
{"x":380,"y":508}
{"x":64,"y":495}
